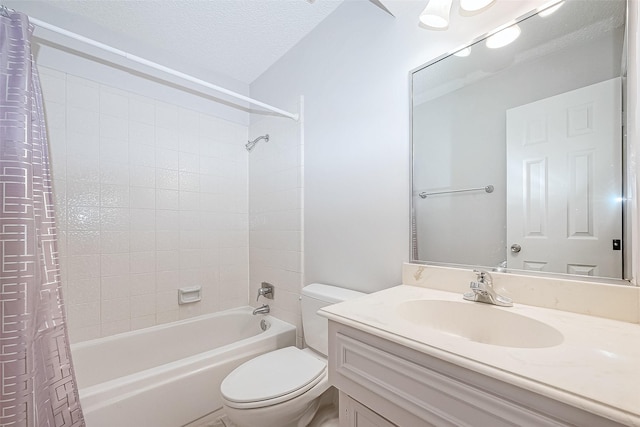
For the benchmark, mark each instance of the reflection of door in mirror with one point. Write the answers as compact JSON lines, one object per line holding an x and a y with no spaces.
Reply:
{"x":564,"y":182}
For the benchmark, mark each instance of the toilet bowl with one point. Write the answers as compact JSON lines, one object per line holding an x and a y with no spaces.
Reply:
{"x":283,"y":388}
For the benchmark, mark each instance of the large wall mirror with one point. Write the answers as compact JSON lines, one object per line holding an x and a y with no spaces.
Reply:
{"x":518,"y":147}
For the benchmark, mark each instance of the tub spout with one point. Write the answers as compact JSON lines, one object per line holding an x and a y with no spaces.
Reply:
{"x":264,"y":309}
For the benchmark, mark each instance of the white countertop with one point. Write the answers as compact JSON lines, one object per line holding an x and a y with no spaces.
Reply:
{"x":596,"y":367}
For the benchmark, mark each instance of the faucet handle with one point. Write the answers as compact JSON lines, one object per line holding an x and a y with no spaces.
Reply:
{"x":266,"y":290}
{"x":484,"y":276}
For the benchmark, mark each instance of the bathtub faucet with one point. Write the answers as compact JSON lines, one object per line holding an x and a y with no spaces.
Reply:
{"x":262,"y":310}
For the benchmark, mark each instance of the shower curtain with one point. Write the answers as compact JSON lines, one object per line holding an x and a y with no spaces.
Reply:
{"x":38,"y":387}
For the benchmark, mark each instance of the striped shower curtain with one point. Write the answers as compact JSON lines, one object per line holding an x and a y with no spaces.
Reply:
{"x":38,"y":387}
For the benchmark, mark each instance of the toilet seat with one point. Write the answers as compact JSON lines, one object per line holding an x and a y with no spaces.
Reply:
{"x":272,"y":378}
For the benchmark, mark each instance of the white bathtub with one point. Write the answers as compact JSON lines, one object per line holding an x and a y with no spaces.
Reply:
{"x":169,"y":375}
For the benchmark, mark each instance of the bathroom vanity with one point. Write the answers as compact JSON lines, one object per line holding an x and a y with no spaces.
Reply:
{"x":418,"y":356}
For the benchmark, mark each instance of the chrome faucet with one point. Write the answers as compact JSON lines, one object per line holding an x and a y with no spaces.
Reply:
{"x":482,"y":291}
{"x":264,"y":309}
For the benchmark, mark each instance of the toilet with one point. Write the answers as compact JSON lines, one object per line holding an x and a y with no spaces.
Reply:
{"x":283,"y":388}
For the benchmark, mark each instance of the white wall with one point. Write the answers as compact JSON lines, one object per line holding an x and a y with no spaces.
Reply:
{"x":353,"y":72}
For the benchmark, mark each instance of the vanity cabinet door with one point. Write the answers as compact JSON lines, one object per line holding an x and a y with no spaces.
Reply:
{"x":355,"y":414}
{"x":413,"y":389}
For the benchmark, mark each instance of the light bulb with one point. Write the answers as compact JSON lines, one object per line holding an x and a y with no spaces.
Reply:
{"x":436,"y":14}
{"x":503,"y":38}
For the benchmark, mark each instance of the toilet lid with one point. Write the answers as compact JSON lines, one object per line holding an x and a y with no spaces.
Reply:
{"x":271,"y":375}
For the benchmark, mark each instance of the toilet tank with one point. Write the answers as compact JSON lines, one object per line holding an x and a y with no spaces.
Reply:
{"x":316,"y":327}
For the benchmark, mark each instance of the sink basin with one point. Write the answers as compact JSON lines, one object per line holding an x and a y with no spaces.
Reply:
{"x":483,"y":323}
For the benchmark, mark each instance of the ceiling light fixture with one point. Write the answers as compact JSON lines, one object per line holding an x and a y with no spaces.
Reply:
{"x":503,"y":37}
{"x":474,"y":5}
{"x":548,"y":11}
{"x":436,"y":14}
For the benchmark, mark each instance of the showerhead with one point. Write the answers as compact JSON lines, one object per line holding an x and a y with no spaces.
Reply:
{"x":249,"y":145}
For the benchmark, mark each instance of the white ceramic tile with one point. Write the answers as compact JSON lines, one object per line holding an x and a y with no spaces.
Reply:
{"x":82,"y":145}
{"x":143,"y":241}
{"x":84,"y":314}
{"x":142,"y":155}
{"x":168,"y":220}
{"x":167,"y":179}
{"x":143,"y":262}
{"x":188,"y":121}
{"x":84,"y":242}
{"x":167,"y":138}
{"x":189,"y":201}
{"x":189,"y":162}
{"x":83,"y":333}
{"x":143,"y":321}
{"x":189,"y":181}
{"x":114,"y":173}
{"x":56,"y":115}
{"x":114,"y":102}
{"x":166,"y":301}
{"x":167,"y":199}
{"x":143,"y":176}
{"x":114,"y":264}
{"x":190,"y":259}
{"x":83,"y":218}
{"x":143,"y":283}
{"x":142,"y":220}
{"x":167,"y":316}
{"x":115,"y":309}
{"x":83,"y":93}
{"x":167,"y":159}
{"x":167,"y":240}
{"x":114,"y":242}
{"x":54,"y":85}
{"x":113,"y":287}
{"x":143,"y":305}
{"x":116,"y":327}
{"x":83,"y":169}
{"x":83,"y":193}
{"x":142,"y":198}
{"x":167,"y":260}
{"x":189,"y":220}
{"x":83,"y":121}
{"x":114,"y":127}
{"x":168,"y":281}
{"x":209,"y":184}
{"x":82,"y":291}
{"x":142,"y":110}
{"x":166,"y":115}
{"x":113,"y":150}
{"x":190,"y":239}
{"x":142,"y":133}
{"x":114,"y":196}
{"x":114,"y":219}
{"x":191,"y":277}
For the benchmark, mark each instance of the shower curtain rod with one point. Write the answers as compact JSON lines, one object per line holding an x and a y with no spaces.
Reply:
{"x":139,"y":60}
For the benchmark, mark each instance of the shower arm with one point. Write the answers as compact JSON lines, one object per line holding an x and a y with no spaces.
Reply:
{"x":250,"y":144}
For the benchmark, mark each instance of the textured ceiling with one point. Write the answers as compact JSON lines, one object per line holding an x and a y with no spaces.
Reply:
{"x":236,"y":38}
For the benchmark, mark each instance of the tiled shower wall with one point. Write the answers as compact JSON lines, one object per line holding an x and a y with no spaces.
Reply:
{"x":150,"y":197}
{"x":275,"y":215}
